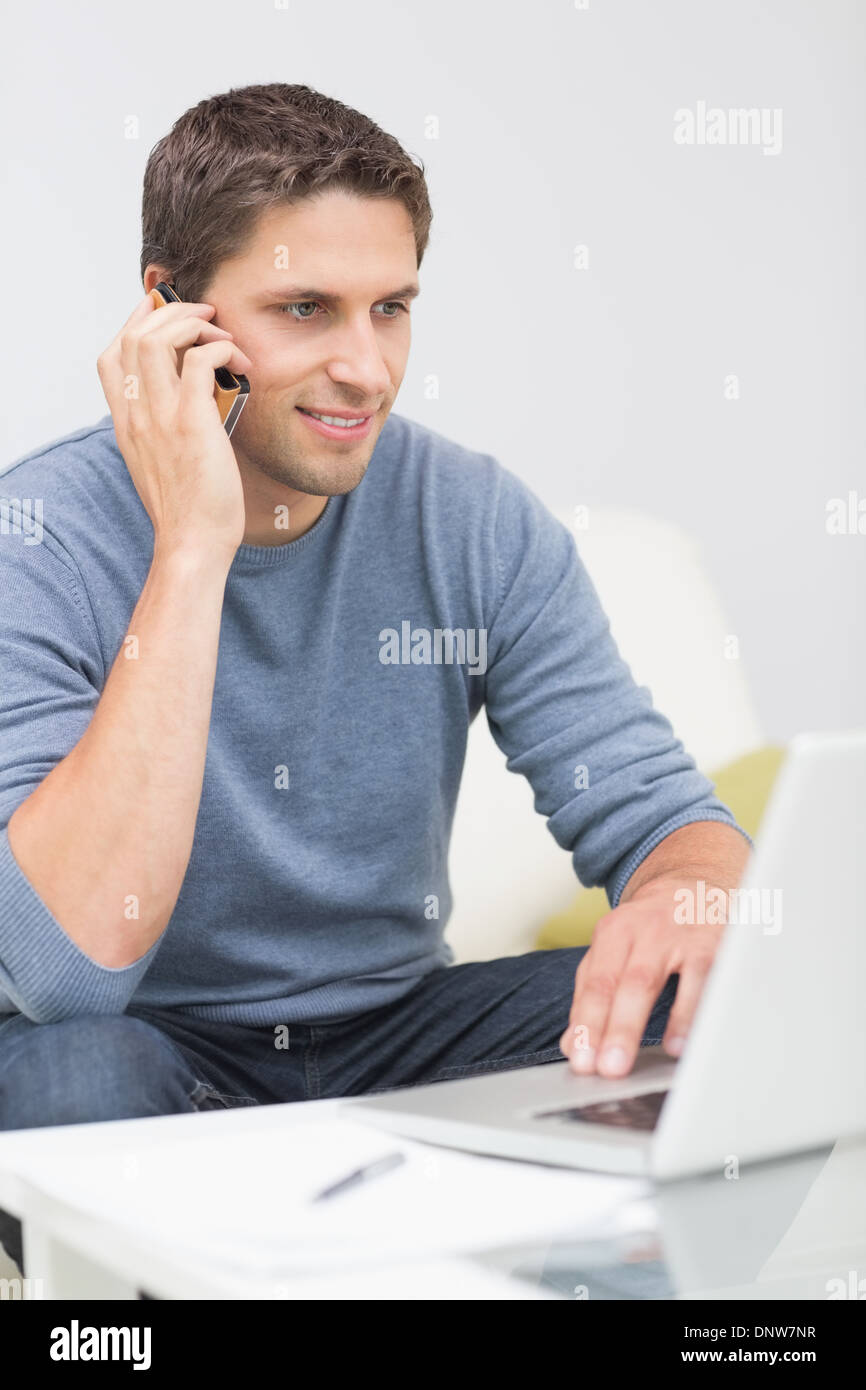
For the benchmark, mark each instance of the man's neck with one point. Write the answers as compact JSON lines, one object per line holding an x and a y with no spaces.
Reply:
{"x":277,"y":514}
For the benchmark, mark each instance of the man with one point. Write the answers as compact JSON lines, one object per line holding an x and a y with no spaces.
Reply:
{"x":236,"y":678}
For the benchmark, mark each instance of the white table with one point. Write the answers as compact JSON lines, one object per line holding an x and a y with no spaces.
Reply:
{"x":783,"y":1230}
{"x":73,"y":1254}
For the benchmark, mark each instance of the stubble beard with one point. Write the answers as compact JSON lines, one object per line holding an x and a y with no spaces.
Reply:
{"x":305,"y":470}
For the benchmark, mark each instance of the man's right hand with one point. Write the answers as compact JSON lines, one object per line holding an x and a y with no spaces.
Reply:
{"x":158,"y":379}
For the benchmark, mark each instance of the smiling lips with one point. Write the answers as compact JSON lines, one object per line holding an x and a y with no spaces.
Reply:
{"x":337,"y":424}
{"x":340,"y":418}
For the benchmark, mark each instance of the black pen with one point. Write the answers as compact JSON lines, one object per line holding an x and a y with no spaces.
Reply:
{"x":369,"y":1170}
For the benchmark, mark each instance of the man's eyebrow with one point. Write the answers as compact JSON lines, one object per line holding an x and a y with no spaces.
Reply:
{"x":286,"y":293}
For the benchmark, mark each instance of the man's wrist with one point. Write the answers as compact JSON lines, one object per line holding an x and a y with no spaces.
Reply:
{"x":688,"y":899}
{"x":702,"y":851}
{"x":182,"y":558}
{"x":667,"y":884}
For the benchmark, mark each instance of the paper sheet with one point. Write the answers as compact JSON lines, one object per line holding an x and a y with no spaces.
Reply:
{"x":245,"y":1199}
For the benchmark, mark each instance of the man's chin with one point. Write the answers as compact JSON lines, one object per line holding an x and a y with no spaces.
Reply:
{"x":338,"y":487}
{"x":290,"y":457}
{"x":328,"y":470}
{"x":318,"y":477}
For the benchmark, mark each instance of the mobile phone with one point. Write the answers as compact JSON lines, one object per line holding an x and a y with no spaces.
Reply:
{"x":230,"y":390}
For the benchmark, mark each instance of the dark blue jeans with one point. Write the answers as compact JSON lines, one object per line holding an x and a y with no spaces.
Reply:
{"x":458,"y":1021}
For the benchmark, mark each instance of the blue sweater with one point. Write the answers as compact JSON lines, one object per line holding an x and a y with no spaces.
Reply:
{"x":351,"y":662}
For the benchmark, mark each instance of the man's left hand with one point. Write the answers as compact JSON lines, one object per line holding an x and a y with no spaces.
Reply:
{"x":635,"y":947}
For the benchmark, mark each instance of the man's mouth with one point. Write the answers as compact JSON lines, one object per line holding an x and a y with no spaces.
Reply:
{"x":341,"y":421}
{"x":335,"y":425}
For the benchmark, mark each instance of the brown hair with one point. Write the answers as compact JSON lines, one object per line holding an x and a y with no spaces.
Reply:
{"x":232,"y":156}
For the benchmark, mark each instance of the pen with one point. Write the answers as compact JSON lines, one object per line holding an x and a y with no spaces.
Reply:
{"x":369,"y":1170}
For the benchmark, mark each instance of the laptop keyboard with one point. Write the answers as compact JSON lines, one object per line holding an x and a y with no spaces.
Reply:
{"x":632,"y":1112}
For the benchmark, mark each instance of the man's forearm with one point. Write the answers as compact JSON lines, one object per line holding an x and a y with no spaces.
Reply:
{"x":705,"y":850}
{"x":105,"y":839}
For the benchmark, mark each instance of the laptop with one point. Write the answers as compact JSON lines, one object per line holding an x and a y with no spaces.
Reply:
{"x":776,"y":1059}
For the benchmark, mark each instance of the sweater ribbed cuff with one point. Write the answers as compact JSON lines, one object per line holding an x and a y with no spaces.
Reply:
{"x":625,"y":870}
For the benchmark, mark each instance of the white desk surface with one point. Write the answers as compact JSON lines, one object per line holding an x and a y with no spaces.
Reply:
{"x":786,"y":1229}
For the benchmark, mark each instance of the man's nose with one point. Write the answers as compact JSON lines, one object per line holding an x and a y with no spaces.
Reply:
{"x":357,"y":361}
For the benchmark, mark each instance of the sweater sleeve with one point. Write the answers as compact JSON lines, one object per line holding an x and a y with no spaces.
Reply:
{"x":51,"y":676}
{"x":605,"y":766}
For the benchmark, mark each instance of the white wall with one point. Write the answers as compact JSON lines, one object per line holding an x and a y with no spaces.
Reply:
{"x":599,"y":386}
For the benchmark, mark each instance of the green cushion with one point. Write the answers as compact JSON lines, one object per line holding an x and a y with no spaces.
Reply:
{"x":744,"y":786}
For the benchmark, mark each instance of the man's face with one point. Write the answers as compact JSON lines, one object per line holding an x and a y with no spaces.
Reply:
{"x":319,"y":301}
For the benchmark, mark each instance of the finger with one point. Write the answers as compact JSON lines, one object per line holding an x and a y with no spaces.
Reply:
{"x":109,"y":364}
{"x":567,"y":1039}
{"x":693,"y":974}
{"x":143,"y":310}
{"x":132,"y":408}
{"x":210,"y":333}
{"x":160,"y":352}
{"x":181,"y":334}
{"x":597,"y":980}
{"x":172,"y":313}
{"x":157,"y":321}
{"x":144,"y":315}
{"x":196,"y":378}
{"x":147,"y":317}
{"x":641,"y":983}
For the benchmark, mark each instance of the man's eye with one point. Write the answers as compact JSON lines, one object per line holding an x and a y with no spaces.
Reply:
{"x":298,"y":304}
{"x":394,"y":304}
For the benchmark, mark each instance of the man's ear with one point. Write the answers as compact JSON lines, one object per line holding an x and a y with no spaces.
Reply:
{"x":153,"y":274}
